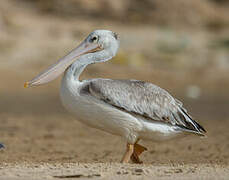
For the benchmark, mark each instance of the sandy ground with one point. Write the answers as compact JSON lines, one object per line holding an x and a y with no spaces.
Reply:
{"x":112,"y":171}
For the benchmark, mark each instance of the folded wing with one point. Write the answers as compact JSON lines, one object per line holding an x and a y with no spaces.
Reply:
{"x":145,"y":99}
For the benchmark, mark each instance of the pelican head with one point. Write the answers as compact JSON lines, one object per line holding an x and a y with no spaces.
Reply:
{"x":99,"y":46}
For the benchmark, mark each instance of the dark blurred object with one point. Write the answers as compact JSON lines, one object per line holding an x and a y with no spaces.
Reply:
{"x":2,"y":146}
{"x":173,"y":12}
{"x":221,"y":2}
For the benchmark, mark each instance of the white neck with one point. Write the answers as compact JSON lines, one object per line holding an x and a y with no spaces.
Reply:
{"x":74,"y":71}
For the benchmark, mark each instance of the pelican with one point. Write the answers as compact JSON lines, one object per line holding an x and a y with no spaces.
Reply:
{"x":132,"y":109}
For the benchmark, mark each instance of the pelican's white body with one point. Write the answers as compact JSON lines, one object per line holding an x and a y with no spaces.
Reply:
{"x":95,"y":113}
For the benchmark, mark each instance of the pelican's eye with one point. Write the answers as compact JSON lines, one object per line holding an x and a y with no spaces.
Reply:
{"x":94,"y":39}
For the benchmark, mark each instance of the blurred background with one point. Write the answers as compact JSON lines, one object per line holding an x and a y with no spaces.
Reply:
{"x":182,"y":46}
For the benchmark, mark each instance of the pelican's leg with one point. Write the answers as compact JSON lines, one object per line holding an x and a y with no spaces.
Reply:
{"x":128,"y":153}
{"x":138,"y":149}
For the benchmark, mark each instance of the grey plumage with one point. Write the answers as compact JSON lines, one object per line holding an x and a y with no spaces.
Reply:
{"x":145,"y":99}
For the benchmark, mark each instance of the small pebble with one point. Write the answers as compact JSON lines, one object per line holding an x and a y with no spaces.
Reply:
{"x":178,"y":171}
{"x":139,"y":170}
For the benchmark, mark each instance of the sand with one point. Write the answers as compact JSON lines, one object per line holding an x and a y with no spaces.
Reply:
{"x":112,"y":171}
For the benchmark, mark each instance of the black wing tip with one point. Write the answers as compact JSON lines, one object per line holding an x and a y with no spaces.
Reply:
{"x":199,"y":127}
{"x":196,"y":125}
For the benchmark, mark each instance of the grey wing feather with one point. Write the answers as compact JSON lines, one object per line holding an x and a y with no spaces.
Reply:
{"x":145,"y":99}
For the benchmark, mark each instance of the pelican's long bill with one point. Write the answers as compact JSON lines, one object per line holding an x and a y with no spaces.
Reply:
{"x":59,"y":67}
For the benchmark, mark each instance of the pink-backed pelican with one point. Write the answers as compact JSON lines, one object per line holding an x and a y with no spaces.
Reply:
{"x":132,"y":109}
